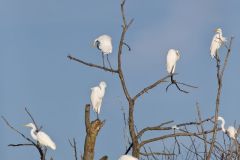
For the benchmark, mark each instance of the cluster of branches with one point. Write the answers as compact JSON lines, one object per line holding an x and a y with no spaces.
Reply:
{"x":200,"y":145}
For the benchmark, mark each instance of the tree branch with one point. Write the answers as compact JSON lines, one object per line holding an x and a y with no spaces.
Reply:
{"x":180,"y":134}
{"x":74,"y":146}
{"x":91,"y":64}
{"x":21,"y":144}
{"x":146,"y":89}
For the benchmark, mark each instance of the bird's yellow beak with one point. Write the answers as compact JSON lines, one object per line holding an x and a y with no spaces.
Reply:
{"x":94,"y":44}
{"x":26,"y":125}
{"x":216,"y":30}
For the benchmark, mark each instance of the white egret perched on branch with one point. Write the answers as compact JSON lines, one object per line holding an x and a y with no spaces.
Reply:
{"x":217,"y":42}
{"x":231,"y":131}
{"x":97,"y":96}
{"x":172,"y":58}
{"x":104,"y":44}
{"x":41,"y":137}
{"x":127,"y":157}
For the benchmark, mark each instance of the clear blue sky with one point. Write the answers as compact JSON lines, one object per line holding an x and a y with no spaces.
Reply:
{"x":37,"y":36}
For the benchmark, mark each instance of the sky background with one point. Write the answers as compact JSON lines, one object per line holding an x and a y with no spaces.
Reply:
{"x":37,"y":36}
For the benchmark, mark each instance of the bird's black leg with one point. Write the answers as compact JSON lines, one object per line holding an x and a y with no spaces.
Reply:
{"x":172,"y":82}
{"x":103,"y":60}
{"x":217,"y":57}
{"x":129,"y":148}
{"x":109,"y":62}
{"x":97,"y":116}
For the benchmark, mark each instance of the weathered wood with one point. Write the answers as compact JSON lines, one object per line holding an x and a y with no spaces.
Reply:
{"x":92,"y":130}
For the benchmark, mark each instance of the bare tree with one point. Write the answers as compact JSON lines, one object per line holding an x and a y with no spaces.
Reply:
{"x":199,"y":145}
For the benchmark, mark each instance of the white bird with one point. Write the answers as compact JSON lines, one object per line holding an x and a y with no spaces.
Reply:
{"x":231,"y":131}
{"x":41,"y":137}
{"x":104,"y":44}
{"x":217,"y":42}
{"x":127,"y":157}
{"x":97,"y":96}
{"x":172,"y":58}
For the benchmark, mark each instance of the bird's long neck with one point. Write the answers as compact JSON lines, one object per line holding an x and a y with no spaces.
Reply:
{"x":97,"y":44}
{"x":33,"y":133}
{"x":222,"y":126}
{"x":102,"y":91}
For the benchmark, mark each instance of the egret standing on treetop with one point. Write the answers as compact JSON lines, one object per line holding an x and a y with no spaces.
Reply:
{"x":172,"y":58}
{"x":217,"y":41}
{"x":97,"y":96}
{"x":104,"y":44}
{"x":231,"y":131}
{"x":127,"y":157}
{"x":41,"y":137}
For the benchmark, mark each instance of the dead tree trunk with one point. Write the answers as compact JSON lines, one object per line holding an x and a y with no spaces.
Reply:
{"x":92,"y":129}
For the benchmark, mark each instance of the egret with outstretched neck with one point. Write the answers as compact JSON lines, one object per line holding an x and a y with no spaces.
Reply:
{"x":230,"y":131}
{"x":41,"y":137}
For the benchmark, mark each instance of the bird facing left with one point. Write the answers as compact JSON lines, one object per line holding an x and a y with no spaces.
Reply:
{"x":41,"y":137}
{"x":104,"y":44}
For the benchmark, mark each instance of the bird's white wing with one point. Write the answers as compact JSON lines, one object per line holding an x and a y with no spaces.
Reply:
{"x":215,"y":45}
{"x":231,"y":131}
{"x":171,"y":61}
{"x":45,"y":140}
{"x":105,"y":44}
{"x":96,"y":100}
{"x":127,"y":157}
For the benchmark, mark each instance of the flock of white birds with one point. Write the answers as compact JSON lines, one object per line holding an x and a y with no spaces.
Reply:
{"x":104,"y":44}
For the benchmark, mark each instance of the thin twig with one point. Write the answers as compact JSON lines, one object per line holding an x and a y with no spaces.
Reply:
{"x":74,"y":146}
{"x":21,"y":144}
{"x":38,"y":129}
{"x":146,"y":89}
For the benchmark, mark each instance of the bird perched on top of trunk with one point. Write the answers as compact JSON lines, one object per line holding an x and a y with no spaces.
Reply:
{"x":97,"y":95}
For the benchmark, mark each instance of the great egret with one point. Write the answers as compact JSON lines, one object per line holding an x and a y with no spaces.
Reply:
{"x":231,"y":131}
{"x":41,"y":137}
{"x":172,"y":58}
{"x":97,"y":96}
{"x":217,"y":41}
{"x":104,"y":44}
{"x":127,"y":157}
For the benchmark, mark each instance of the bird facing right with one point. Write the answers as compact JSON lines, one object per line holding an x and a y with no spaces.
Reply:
{"x":172,"y":58}
{"x":217,"y":42}
{"x":127,"y":157}
{"x":97,"y":95}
